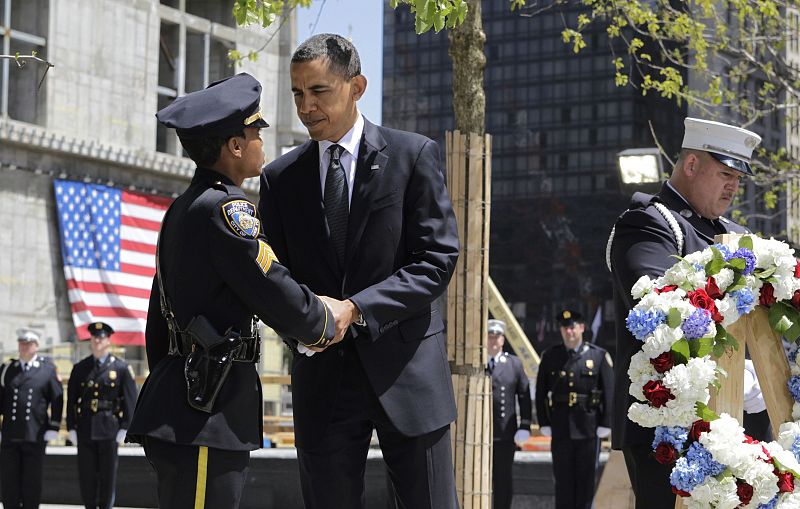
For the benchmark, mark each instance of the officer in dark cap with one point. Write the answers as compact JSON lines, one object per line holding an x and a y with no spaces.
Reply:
{"x":28,"y":386}
{"x":510,"y":387}
{"x":199,"y":412}
{"x":101,"y":395}
{"x":574,"y":390}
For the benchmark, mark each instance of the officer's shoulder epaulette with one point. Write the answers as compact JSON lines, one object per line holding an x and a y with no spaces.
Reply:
{"x":228,"y":188}
{"x":46,"y":360}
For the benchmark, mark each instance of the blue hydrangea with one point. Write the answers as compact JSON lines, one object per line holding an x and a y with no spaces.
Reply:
{"x":796,"y":447}
{"x":692,"y":469}
{"x":772,"y":504}
{"x":642,"y":323}
{"x":748,"y":257}
{"x":696,"y":326}
{"x":745,"y":301}
{"x":725,"y":250}
{"x":794,"y":387}
{"x":793,"y":353}
{"x":675,"y":436}
{"x":698,"y":267}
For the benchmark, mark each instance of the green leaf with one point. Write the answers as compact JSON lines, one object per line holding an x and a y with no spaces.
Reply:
{"x":747,"y":242}
{"x":738,"y":283}
{"x":705,"y":413}
{"x":674,"y":318}
{"x":716,"y":263}
{"x":680,"y":351}
{"x":701,"y":347}
{"x":785,"y":320}
{"x":765,"y":274}
{"x":737,"y":264}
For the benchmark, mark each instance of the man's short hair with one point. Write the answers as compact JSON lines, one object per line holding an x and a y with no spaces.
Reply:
{"x":342,"y":56}
{"x":205,"y":151}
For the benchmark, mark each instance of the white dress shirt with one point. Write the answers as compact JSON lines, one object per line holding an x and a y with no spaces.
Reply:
{"x":350,"y":142}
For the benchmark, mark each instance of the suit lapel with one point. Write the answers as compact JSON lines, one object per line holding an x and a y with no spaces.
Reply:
{"x":370,"y":165}
{"x":310,"y":199}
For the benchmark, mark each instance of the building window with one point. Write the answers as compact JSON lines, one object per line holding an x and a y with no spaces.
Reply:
{"x":23,"y":25}
{"x":190,"y":58}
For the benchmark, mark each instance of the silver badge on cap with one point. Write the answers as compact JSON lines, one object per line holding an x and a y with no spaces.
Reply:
{"x":686,"y":213}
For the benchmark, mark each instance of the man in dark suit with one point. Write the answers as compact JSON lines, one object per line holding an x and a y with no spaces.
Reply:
{"x":682,"y":218}
{"x":361,"y":213}
{"x":199,"y":412}
{"x":510,"y":387}
{"x":574,"y":389}
{"x":101,"y":395}
{"x":28,"y":387}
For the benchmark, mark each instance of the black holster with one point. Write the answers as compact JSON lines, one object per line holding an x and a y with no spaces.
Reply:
{"x":208,"y":364}
{"x":595,"y":399}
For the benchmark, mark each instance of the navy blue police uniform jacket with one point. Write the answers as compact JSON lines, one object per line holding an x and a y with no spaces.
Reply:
{"x":27,"y":396}
{"x":586,"y":374}
{"x":401,"y":250}
{"x":100,"y":399}
{"x":510,"y":386}
{"x":224,"y":270}
{"x":644,"y":244}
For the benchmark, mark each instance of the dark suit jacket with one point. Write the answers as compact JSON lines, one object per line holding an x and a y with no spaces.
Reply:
{"x":588,"y":370}
{"x":644,"y":244}
{"x":113,"y":383}
{"x":510,"y":386}
{"x":402,"y":247}
{"x":26,"y":397}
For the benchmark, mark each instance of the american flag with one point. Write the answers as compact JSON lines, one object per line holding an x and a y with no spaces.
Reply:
{"x":108,"y":245}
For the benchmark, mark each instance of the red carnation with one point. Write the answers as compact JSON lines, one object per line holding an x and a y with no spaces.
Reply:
{"x":796,"y":300}
{"x":699,"y":426}
{"x":663,"y":362}
{"x":666,"y":454}
{"x":797,"y":269}
{"x":712,"y":289}
{"x":701,"y":299}
{"x":656,"y":393}
{"x":666,"y":289}
{"x":680,"y":492}
{"x":744,"y":491}
{"x":767,"y":297}
{"x":785,"y":482}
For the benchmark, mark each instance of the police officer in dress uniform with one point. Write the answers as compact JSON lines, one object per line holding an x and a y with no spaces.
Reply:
{"x":682,"y":218}
{"x":101,"y":395}
{"x":510,"y":387}
{"x":28,"y":386}
{"x":199,"y":413}
{"x":574,"y":389}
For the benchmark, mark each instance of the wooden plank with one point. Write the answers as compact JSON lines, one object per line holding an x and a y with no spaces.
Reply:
{"x":474,"y":250}
{"x":614,"y":490}
{"x":487,"y":214}
{"x":460,"y":291}
{"x":514,"y":334}
{"x":729,"y":398}
{"x":488,"y":443}
{"x":460,"y":433}
{"x":469,"y":456}
{"x":772,"y":367}
{"x":451,"y":295}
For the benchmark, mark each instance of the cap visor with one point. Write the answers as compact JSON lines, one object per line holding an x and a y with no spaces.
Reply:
{"x":259,"y":123}
{"x":733,"y":163}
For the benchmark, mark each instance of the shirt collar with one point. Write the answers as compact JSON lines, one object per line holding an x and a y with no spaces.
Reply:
{"x":102,"y":360}
{"x":349,"y":141}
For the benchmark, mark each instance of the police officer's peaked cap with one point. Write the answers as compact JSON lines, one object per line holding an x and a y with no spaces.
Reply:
{"x":496,"y":327}
{"x":226,"y":107}
{"x":568,"y":317}
{"x":27,"y":335}
{"x":100,"y":329}
{"x":730,"y":145}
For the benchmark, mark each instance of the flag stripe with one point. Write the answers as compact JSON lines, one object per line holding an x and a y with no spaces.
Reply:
{"x":143,"y":224}
{"x":138,"y":270}
{"x":139,"y":235}
{"x":109,"y":311}
{"x":108,"y":300}
{"x":134,"y":258}
{"x":85,"y":286}
{"x":117,"y":279}
{"x":141,"y":247}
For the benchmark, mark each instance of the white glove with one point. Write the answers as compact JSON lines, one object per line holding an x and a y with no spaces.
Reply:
{"x":50,"y":435}
{"x":603,"y":432}
{"x":73,"y":436}
{"x":522,"y":436}
{"x":753,"y":399}
{"x":121,"y":435}
{"x":546,"y":431}
{"x":307,"y":351}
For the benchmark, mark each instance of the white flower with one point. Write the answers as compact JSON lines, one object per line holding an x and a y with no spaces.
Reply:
{"x":714,"y":493}
{"x":661,"y":340}
{"x":640,"y":372}
{"x":727,"y":308}
{"x":724,"y":278}
{"x":641,"y":287}
{"x":700,"y":257}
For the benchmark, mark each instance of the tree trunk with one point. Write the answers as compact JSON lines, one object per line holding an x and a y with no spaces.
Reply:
{"x":466,"y":52}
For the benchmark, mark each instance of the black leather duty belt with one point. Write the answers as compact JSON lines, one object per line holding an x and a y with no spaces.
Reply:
{"x":248,"y":352}
{"x":570,"y":398}
{"x":98,"y":405}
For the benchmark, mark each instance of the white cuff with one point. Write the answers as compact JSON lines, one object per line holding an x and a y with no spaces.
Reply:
{"x":50,"y":435}
{"x":121,"y":435}
{"x":73,"y":436}
{"x":522,"y":436}
{"x":306,"y":351}
{"x":603,"y":432}
{"x":546,"y":431}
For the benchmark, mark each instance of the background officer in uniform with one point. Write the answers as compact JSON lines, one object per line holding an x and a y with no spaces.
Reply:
{"x":101,"y":395}
{"x":682,"y":218}
{"x":510,"y":386}
{"x":216,"y":271}
{"x":574,"y":388}
{"x":28,"y":386}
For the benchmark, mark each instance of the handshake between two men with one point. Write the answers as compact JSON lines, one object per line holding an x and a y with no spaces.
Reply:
{"x":345,"y":313}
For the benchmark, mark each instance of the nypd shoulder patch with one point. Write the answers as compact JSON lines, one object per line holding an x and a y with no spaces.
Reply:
{"x":265,"y":256}
{"x":240,"y":216}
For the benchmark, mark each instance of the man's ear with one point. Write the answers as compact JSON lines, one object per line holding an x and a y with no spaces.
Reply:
{"x":691,"y":165}
{"x":234,"y":146}
{"x":358,"y":86}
